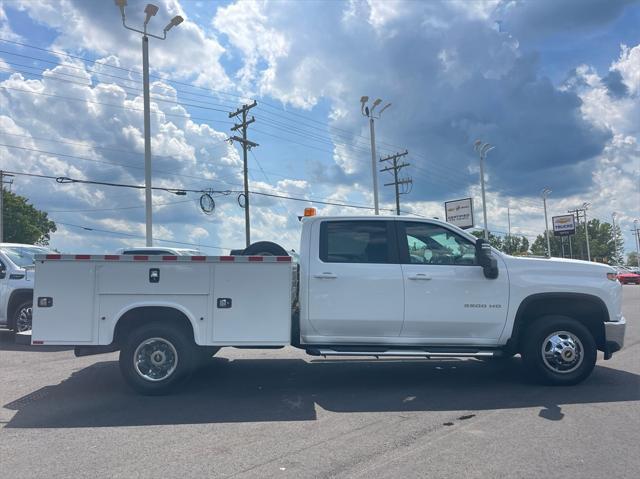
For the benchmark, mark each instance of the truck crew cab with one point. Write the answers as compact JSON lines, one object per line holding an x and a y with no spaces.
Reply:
{"x":364,"y":286}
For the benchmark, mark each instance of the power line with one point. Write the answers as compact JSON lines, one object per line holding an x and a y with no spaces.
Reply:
{"x":84,"y":100}
{"x":293,"y":130}
{"x":91,"y":210}
{"x":169,"y":80}
{"x":65,"y":155}
{"x":67,"y":180}
{"x":129,"y":235}
{"x":155,"y":96}
{"x":180,"y":191}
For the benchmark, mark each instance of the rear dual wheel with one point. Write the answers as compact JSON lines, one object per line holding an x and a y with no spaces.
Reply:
{"x":156,"y":358}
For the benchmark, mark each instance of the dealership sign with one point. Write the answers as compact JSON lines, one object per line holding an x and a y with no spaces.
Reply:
{"x":459,"y":212}
{"x":564,"y":225}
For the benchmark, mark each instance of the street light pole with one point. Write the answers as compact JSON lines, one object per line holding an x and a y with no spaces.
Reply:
{"x":147,"y":140}
{"x":585,"y":206}
{"x":545,"y":193}
{"x":150,"y":10}
{"x":614,"y":235}
{"x":637,"y":235}
{"x":364,"y":108}
{"x":374,"y":169}
{"x":483,"y":149}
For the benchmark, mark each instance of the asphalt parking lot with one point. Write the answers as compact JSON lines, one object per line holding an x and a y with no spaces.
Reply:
{"x":284,"y":414}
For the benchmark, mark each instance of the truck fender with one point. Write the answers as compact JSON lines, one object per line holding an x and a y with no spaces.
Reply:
{"x":586,"y":308}
{"x":154,"y":304}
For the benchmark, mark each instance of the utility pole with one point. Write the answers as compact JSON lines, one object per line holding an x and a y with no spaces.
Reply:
{"x":246,"y":146}
{"x":3,"y":175}
{"x":545,"y":194}
{"x":583,"y":210}
{"x":397,"y":182}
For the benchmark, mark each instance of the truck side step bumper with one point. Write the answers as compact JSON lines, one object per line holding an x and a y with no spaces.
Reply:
{"x":414,"y":353}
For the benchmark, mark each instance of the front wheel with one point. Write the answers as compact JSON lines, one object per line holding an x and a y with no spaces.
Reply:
{"x":156,"y":358}
{"x":22,"y":317}
{"x":559,"y":350}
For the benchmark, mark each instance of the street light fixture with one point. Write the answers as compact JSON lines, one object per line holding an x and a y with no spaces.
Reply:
{"x":150,"y":11}
{"x":545,"y":194}
{"x":364,"y":109}
{"x":482,"y":149}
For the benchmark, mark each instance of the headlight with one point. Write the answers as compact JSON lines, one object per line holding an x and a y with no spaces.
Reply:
{"x":612,"y":276}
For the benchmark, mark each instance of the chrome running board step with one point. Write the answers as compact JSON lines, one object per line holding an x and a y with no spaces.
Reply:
{"x":414,"y":353}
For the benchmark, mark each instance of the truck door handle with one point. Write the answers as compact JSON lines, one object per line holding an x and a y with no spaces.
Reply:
{"x":325,"y":276}
{"x":419,"y":277}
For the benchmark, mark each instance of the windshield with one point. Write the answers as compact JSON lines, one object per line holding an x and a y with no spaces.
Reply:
{"x":22,"y":256}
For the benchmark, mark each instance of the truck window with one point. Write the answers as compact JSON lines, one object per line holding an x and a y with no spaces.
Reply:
{"x":354,"y":242}
{"x":434,"y":244}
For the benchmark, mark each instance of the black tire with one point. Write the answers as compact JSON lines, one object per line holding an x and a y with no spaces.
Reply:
{"x":265,"y":248}
{"x":175,"y":358}
{"x":575,"y":351}
{"x":22,"y":317}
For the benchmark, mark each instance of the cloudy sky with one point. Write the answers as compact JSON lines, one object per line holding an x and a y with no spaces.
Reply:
{"x":554,"y":85}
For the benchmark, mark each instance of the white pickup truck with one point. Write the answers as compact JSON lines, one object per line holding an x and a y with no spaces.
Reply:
{"x":16,"y":284}
{"x":364,"y":286}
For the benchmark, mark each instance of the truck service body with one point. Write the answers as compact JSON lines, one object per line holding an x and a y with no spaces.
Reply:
{"x":375,"y":286}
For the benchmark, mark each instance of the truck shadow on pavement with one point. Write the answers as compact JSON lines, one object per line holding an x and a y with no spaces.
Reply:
{"x":253,"y":390}
{"x":8,"y":343}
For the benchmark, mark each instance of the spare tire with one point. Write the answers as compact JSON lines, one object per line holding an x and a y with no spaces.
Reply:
{"x":265,"y":248}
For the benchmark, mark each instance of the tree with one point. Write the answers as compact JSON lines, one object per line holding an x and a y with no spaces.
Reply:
{"x":632,"y":259}
{"x":602,"y":244}
{"x":23,"y":223}
{"x":494,"y":240}
{"x":516,"y":245}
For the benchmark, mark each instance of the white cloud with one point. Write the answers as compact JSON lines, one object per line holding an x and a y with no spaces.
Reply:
{"x":188,"y":52}
{"x":452,"y":77}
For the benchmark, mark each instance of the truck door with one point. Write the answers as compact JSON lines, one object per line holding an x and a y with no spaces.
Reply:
{"x":447,"y":297}
{"x":355,"y":281}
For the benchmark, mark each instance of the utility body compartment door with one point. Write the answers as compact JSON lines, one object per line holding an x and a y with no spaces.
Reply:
{"x":252,"y":304}
{"x":71,"y":318}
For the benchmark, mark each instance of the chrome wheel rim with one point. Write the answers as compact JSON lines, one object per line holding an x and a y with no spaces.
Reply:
{"x":23,"y":320}
{"x":562,"y":352}
{"x":155,"y":359}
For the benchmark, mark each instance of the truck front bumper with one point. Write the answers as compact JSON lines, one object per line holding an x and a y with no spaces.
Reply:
{"x":614,"y":336}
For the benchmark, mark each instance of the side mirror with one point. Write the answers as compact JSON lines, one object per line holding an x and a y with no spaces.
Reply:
{"x":485,"y":258}
{"x":3,"y":271}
